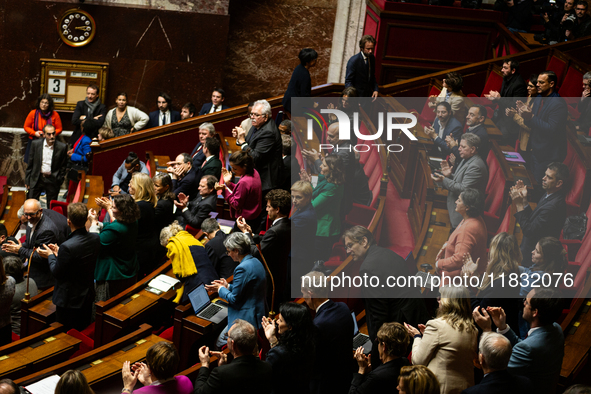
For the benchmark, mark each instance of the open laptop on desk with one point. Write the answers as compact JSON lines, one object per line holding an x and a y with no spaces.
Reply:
{"x":360,"y":339}
{"x":204,"y":308}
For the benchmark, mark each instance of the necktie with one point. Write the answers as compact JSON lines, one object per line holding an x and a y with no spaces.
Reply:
{"x":163,"y":120}
{"x":215,"y":108}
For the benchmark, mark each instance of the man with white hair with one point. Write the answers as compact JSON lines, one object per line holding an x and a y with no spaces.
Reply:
{"x":205,"y":130}
{"x":263,"y":143}
{"x":494,"y":355}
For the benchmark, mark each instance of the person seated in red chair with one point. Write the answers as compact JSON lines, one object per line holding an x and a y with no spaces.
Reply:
{"x":469,"y":237}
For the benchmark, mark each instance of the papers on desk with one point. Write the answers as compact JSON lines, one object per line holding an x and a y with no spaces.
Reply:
{"x":225,"y":229}
{"x":44,"y":386}
{"x":163,"y":283}
{"x":513,"y":157}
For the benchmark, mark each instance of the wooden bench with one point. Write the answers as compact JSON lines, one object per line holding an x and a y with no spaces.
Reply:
{"x":10,"y":218}
{"x":125,"y":311}
{"x":36,"y":352}
{"x":102,"y":366}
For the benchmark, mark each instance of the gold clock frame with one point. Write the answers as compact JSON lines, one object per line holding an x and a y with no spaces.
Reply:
{"x":65,"y":39}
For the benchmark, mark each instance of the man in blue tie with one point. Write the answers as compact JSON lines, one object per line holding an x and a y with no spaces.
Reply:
{"x":548,"y":218}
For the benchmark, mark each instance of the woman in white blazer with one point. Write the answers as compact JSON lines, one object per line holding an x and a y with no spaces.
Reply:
{"x":125,"y":119}
{"x":447,"y":345}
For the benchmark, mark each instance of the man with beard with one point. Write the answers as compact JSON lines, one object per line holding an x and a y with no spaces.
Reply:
{"x":89,"y":114}
{"x":513,"y":87}
{"x":444,"y":125}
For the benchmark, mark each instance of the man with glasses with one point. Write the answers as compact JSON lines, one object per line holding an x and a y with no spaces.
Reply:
{"x":40,"y":230}
{"x":583,"y":123}
{"x":46,"y":169}
{"x":383,"y":302}
{"x":263,"y":143}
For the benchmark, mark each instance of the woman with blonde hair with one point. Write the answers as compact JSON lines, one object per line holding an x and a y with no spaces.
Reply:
{"x":141,"y":188}
{"x":190,"y":263}
{"x":447,"y":345}
{"x":504,"y":258}
{"x":417,"y":379}
{"x":73,"y":382}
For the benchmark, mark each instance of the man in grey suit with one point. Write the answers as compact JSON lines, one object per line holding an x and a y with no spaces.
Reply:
{"x":539,"y":356}
{"x":471,"y":173}
{"x":46,"y":169}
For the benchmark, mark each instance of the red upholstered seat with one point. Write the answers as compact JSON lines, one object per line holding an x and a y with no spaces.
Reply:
{"x":3,"y":181}
{"x":493,"y":82}
{"x":576,"y":181}
{"x":398,"y":235}
{"x":59,"y":207}
{"x":191,"y":230}
{"x":86,"y":345}
{"x":504,"y":226}
{"x":574,"y":245}
{"x":427,"y":113}
{"x":571,"y":86}
{"x":494,"y":198}
{"x":167,"y":334}
{"x":558,"y":66}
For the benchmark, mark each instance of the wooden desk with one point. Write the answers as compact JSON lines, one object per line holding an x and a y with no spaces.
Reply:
{"x":528,"y":39}
{"x":105,"y":362}
{"x":124,"y":312}
{"x":37,"y":313}
{"x":10,"y":219}
{"x":36,"y":352}
{"x":160,"y":162}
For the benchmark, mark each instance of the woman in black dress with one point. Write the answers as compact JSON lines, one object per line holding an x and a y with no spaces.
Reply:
{"x":292,"y":346}
{"x":300,"y":84}
{"x":141,"y":188}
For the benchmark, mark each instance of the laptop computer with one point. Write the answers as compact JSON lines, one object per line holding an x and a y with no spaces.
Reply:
{"x":360,"y":339}
{"x":204,"y":308}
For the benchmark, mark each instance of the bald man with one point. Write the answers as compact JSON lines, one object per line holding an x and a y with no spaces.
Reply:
{"x":40,"y":230}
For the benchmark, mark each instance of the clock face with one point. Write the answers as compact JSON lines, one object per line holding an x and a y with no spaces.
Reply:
{"x":76,"y":28}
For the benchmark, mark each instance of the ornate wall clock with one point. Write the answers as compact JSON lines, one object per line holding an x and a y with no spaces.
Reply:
{"x":76,"y":27}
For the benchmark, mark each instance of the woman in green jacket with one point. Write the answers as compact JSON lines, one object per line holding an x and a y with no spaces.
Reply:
{"x":326,"y":200}
{"x":117,"y":265}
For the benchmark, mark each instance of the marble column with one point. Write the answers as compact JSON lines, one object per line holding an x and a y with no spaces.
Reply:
{"x":348,"y":30}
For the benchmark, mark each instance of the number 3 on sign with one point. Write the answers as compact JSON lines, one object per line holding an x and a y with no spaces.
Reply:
{"x":56,"y":86}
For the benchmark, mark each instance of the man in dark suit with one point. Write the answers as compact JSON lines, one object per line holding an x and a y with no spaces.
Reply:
{"x":549,"y":216}
{"x":41,"y":230}
{"x":188,"y":111}
{"x":60,"y":221}
{"x":184,"y":176}
{"x":513,"y":87}
{"x":263,"y":143}
{"x":89,"y":115}
{"x":72,"y":265}
{"x":46,"y":169}
{"x":547,"y":121}
{"x":216,"y":105}
{"x":194,"y":212}
{"x":445,"y":124}
{"x":383,"y":304}
{"x":494,"y":355}
{"x":246,"y":374}
{"x":206,"y":130}
{"x":165,"y":114}
{"x":304,"y":224}
{"x":276,"y":242}
{"x":539,"y":356}
{"x":334,"y":340}
{"x":361,"y":69}
{"x":223,"y":264}
{"x":212,"y":164}
{"x":475,"y":122}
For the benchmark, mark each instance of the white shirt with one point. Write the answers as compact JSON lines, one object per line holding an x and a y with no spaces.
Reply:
{"x":34,"y":226}
{"x":166,"y":115}
{"x":47,"y":156}
{"x":442,"y":127}
{"x":319,"y":306}
{"x":218,"y":109}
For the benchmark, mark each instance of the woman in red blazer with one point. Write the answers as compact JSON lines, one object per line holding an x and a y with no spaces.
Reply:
{"x":42,"y":115}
